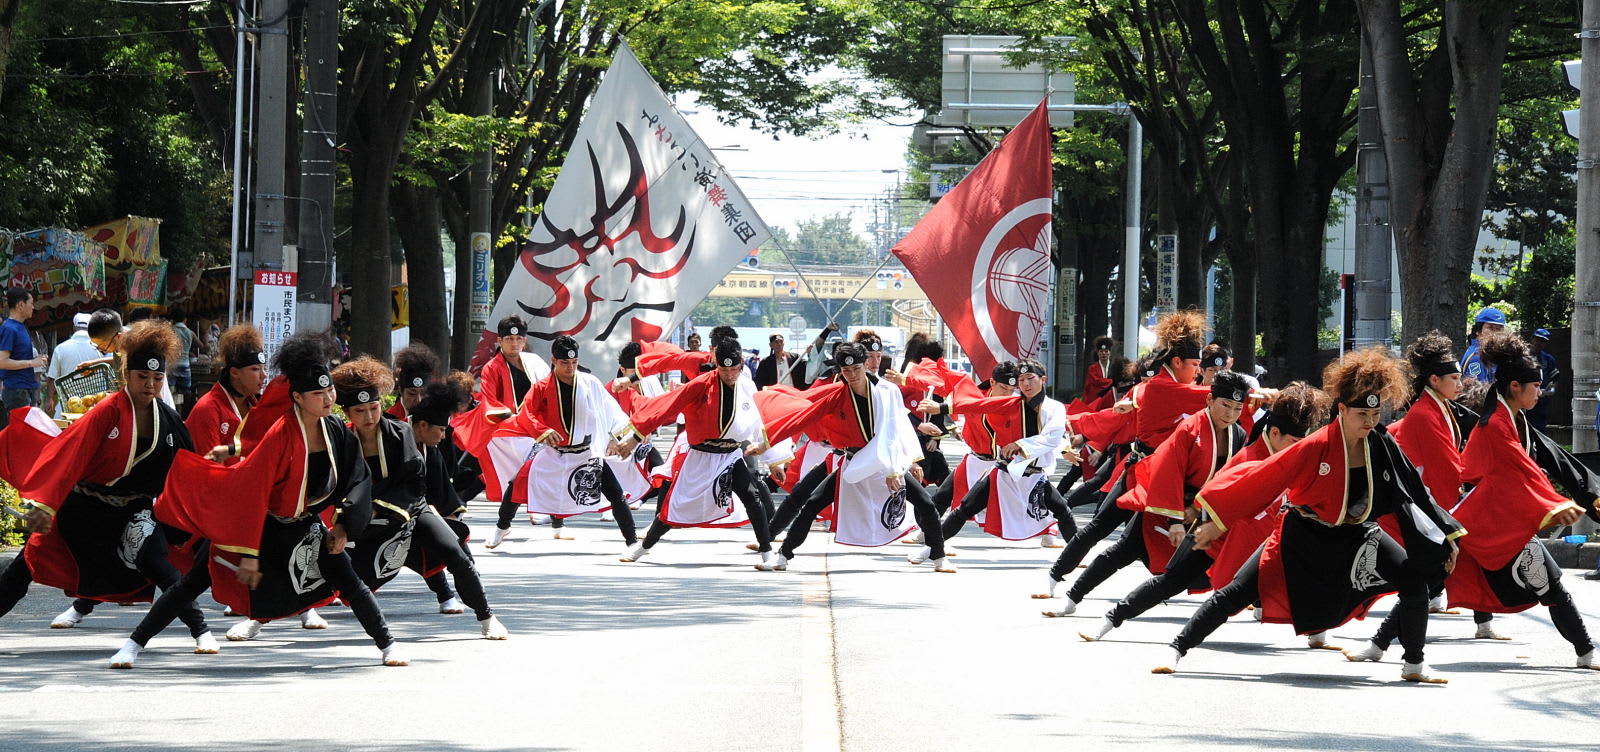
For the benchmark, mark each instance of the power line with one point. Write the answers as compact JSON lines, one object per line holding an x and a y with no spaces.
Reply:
{"x":123,"y":34}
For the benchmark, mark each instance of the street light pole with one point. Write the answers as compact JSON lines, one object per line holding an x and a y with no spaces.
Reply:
{"x":1586,"y":291}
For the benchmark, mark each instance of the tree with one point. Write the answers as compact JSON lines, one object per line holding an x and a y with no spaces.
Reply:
{"x":1440,"y":70}
{"x":828,"y":240}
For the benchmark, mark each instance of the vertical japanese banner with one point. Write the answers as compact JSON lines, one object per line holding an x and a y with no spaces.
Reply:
{"x":642,"y":223}
{"x":274,"y":308}
{"x":1166,"y":273}
{"x":478,"y":317}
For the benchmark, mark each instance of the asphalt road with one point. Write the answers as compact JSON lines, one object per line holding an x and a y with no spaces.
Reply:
{"x":853,"y":649}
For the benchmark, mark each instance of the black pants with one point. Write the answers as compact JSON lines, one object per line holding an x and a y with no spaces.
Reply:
{"x":1127,"y":550}
{"x":824,"y":494}
{"x":978,"y":497}
{"x":942,"y":495}
{"x":790,"y":508}
{"x":609,"y":488}
{"x":151,"y":562}
{"x":746,"y":487}
{"x":1185,"y":568}
{"x":335,"y":567}
{"x":439,"y":542}
{"x":1106,"y":519}
{"x":1071,"y":477}
{"x":1563,"y":613}
{"x":1411,"y":612}
{"x":935,"y":468}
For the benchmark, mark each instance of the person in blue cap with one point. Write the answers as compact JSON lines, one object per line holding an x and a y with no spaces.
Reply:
{"x":1548,"y":373}
{"x":1487,"y":322}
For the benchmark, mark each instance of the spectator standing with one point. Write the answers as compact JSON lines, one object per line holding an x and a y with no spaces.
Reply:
{"x":71,"y":353}
{"x":1487,"y":322}
{"x":182,"y":376}
{"x":17,"y":356}
{"x":1549,"y":375}
{"x":777,"y":363}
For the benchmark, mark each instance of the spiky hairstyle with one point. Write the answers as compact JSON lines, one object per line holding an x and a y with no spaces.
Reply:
{"x":152,"y":335}
{"x":417,"y":358}
{"x":1188,"y":325}
{"x":304,"y":351}
{"x":364,"y":372}
{"x":465,"y":381}
{"x":1372,"y":370}
{"x":235,"y":342}
{"x":1303,"y":405}
{"x":1506,"y":350}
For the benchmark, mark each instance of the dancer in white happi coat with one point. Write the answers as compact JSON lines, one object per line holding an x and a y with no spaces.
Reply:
{"x":565,"y":424}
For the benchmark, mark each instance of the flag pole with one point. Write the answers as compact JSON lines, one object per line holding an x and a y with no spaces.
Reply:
{"x":835,"y":315}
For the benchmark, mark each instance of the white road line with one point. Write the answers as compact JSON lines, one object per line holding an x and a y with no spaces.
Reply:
{"x":821,"y":712}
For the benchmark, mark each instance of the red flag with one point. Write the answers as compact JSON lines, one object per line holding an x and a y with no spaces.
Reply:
{"x":983,"y":253}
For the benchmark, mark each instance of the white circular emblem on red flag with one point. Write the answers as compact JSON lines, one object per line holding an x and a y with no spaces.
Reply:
{"x":1011,"y":281}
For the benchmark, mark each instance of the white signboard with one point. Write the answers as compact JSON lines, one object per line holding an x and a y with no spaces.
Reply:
{"x":274,"y":308}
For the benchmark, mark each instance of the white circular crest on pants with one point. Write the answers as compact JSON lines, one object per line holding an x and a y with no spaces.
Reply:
{"x":1020,"y":296}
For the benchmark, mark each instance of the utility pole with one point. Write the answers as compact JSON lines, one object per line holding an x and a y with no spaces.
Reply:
{"x":271,"y":115}
{"x":1374,"y":233}
{"x":317,"y":165}
{"x":1133,"y":239}
{"x":1586,"y":292}
{"x":481,"y":79}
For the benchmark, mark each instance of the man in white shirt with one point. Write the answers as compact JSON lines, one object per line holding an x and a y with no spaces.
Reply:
{"x":71,"y":353}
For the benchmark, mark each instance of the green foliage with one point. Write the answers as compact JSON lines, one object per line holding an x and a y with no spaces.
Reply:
{"x":10,"y":527}
{"x":828,"y":240}
{"x":98,"y":128}
{"x":1538,"y":292}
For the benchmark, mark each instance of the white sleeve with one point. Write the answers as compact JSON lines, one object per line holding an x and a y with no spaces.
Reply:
{"x":1052,"y":431}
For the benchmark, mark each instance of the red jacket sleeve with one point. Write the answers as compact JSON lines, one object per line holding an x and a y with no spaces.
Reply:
{"x":793,"y":425}
{"x":660,"y":357}
{"x":653,"y":413}
{"x":1240,"y":492}
{"x":69,"y":457}
{"x":1160,"y":487}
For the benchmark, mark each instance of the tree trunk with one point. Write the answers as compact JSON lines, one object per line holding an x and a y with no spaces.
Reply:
{"x":416,"y":217}
{"x":1439,"y":169}
{"x":462,"y":339}
{"x":1242,"y":329}
{"x":370,"y":276}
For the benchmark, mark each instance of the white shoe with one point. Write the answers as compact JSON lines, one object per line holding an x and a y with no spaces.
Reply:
{"x":497,"y":537}
{"x":915,"y":538}
{"x":540,"y":519}
{"x":766,"y":561}
{"x":779,"y":562}
{"x":634,"y":505}
{"x":127,"y":655}
{"x":559,"y":533}
{"x":635,"y":552}
{"x":1371,"y":653}
{"x":1418,"y":672}
{"x":1171,"y":666}
{"x":1051,"y":584}
{"x":942,"y":564}
{"x":606,"y":516}
{"x":453,"y":606}
{"x":1318,"y":641}
{"x":228,"y":611}
{"x":920,"y":555}
{"x":1486,"y":632}
{"x":1589,"y":661}
{"x":312,"y":620}
{"x":205,"y":644}
{"x":1070,"y":608}
{"x":492,"y":629}
{"x":392,"y":656}
{"x":1049,"y":540}
{"x":244,"y":630}
{"x":1100,"y":632}
{"x":68,"y":619}
{"x":1258,"y":613}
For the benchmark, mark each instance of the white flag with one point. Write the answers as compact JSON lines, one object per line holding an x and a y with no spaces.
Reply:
{"x":641,"y":224}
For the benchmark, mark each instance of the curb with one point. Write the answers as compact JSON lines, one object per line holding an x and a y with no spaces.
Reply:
{"x":1571,"y":556}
